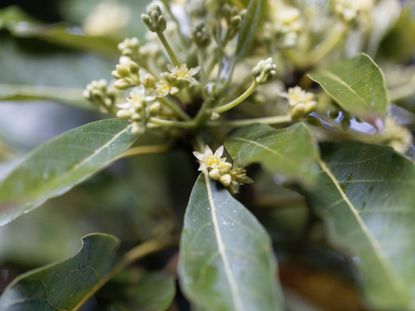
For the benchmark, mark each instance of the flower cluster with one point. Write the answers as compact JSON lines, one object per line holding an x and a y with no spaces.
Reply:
{"x":216,"y":166}
{"x":233,"y":18}
{"x":138,"y":110}
{"x":264,"y":71}
{"x":300,"y":101}
{"x":154,"y":19}
{"x":130,"y":47}
{"x":287,"y":25}
{"x":175,"y":79}
{"x":347,"y":10}
{"x":99,"y":93}
{"x":126,"y":73}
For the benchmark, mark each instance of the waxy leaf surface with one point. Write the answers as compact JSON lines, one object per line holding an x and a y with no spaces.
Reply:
{"x":291,"y":152}
{"x":226,"y":259}
{"x":58,"y":165}
{"x":366,"y":198}
{"x":357,"y":85}
{"x":65,"y":285}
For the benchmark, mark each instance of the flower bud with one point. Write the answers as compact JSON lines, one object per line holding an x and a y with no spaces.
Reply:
{"x":214,"y":116}
{"x":298,"y":111}
{"x":99,"y":93}
{"x":126,"y":73}
{"x":154,"y":19}
{"x":201,"y":35}
{"x":226,"y":180}
{"x":129,"y":47}
{"x":264,"y":71}
{"x":215,"y":174}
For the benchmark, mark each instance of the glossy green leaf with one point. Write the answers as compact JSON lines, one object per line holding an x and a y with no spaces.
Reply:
{"x":65,"y":285}
{"x":58,"y":165}
{"x":367,"y":200}
{"x":250,"y":24}
{"x":357,"y":85}
{"x":291,"y":152}
{"x":226,"y":260}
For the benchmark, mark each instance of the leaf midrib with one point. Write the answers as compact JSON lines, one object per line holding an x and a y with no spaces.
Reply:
{"x":373,"y":242}
{"x":221,"y":247}
{"x":50,"y":186}
{"x":343,"y":83}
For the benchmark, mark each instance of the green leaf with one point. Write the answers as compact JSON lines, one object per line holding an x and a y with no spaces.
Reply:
{"x":399,"y":44}
{"x":151,"y":292}
{"x":154,"y":292}
{"x":21,"y":25}
{"x":365,"y":196}
{"x":291,"y":151}
{"x":357,"y":85}
{"x":250,"y":24}
{"x":29,"y":93}
{"x":226,"y":260}
{"x":58,"y":165}
{"x":65,"y":285}
{"x":32,"y":74}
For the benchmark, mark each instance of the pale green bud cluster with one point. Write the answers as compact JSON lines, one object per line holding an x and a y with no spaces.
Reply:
{"x":264,"y":71}
{"x":138,"y":110}
{"x":301,"y":102}
{"x":217,"y":168}
{"x":126,"y":73}
{"x":101,"y":94}
{"x":201,"y":35}
{"x":130,"y":47}
{"x":233,"y":17}
{"x":154,"y":19}
{"x":238,"y":177}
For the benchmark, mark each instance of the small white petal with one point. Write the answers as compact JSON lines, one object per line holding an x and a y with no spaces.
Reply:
{"x":219,"y":152}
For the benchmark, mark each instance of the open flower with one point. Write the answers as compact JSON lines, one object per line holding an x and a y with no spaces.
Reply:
{"x":217,"y":168}
{"x":301,"y":102}
{"x":133,"y":107}
{"x":164,"y":87}
{"x":182,"y":74}
{"x":287,"y":25}
{"x":296,"y":95}
{"x":209,"y":159}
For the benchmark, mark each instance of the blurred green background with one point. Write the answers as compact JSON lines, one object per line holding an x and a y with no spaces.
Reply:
{"x":49,"y":51}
